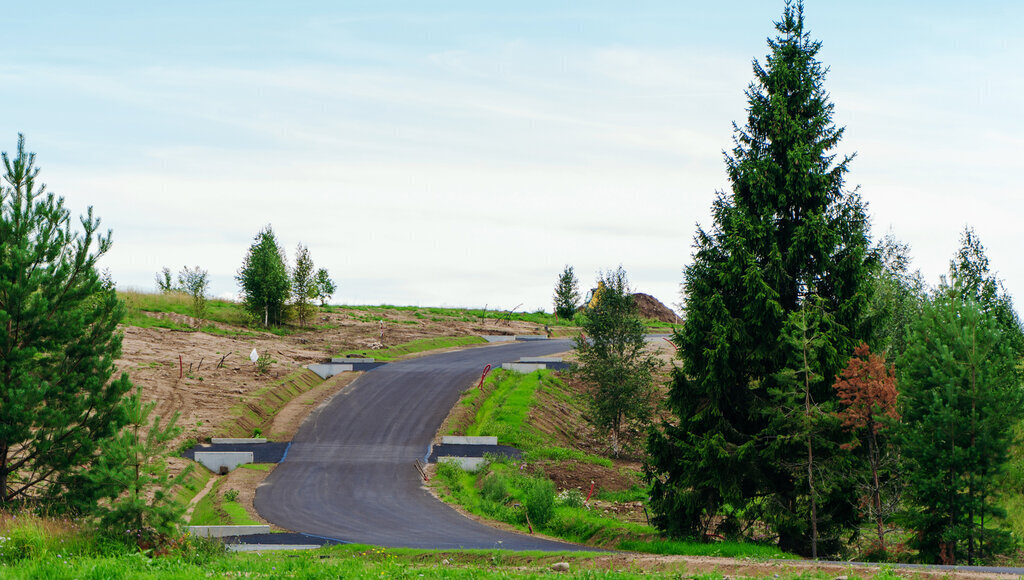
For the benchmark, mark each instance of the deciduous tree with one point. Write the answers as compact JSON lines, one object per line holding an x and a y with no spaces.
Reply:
{"x":195,"y":282}
{"x":59,"y":396}
{"x":867,"y":396}
{"x":612,"y":361}
{"x":304,"y":288}
{"x":325,"y":287}
{"x":264,"y":279}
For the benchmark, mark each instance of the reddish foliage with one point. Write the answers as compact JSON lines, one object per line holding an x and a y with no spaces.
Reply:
{"x":867,"y":389}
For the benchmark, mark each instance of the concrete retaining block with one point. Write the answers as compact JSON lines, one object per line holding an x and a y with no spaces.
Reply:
{"x":466,"y":463}
{"x":326,"y":371}
{"x":541,"y":359}
{"x":346,"y":360}
{"x":498,"y":337}
{"x":466,"y":440}
{"x":237,"y":440}
{"x":531,"y":337}
{"x":524,"y":368}
{"x":226,"y":531}
{"x":223,"y":461}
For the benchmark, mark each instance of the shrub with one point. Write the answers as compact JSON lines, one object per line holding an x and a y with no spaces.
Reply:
{"x":539,"y":499}
{"x":571,"y":498}
{"x":231,"y":495}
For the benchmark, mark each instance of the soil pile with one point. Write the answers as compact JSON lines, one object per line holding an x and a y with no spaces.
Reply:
{"x":651,"y":307}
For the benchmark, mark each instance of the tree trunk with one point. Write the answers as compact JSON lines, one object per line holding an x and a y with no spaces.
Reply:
{"x":876,"y":492}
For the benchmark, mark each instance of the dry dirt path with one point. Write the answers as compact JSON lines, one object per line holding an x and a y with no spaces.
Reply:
{"x":349,"y":473}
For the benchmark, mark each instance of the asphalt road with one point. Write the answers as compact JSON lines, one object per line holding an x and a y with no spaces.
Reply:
{"x":349,"y":473}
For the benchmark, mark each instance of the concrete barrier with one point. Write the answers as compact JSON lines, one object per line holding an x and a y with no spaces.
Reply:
{"x":524,"y":368}
{"x":541,"y":359}
{"x":237,"y":440}
{"x":466,"y":440}
{"x":226,"y":531}
{"x":466,"y":463}
{"x":346,"y":360}
{"x":223,"y":461}
{"x":326,"y":371}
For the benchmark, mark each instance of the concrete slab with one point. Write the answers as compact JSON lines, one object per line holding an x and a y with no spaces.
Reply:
{"x":237,"y":440}
{"x":226,"y":531}
{"x":468,"y":440}
{"x":466,"y":463}
{"x":498,"y":337}
{"x":540,"y":359}
{"x":522,"y":337}
{"x":219,"y":461}
{"x":524,"y":368}
{"x":347,"y":360}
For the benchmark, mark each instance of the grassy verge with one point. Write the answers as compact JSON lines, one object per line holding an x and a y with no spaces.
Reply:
{"x":424,"y":344}
{"x":511,"y":491}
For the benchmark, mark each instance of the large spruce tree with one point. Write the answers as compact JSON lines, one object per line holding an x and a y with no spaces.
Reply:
{"x":59,"y":315}
{"x":787,"y":233}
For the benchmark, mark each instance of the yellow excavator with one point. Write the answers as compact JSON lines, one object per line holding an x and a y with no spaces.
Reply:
{"x":595,"y":295}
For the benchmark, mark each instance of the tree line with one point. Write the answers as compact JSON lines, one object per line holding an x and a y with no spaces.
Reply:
{"x":821,"y":388}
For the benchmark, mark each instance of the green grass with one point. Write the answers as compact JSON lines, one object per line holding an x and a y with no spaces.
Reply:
{"x":424,"y":344}
{"x":215,"y":509}
{"x":718,"y":549}
{"x":257,"y":466}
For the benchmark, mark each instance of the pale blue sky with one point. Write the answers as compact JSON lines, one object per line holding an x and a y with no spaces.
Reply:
{"x":457,"y":153}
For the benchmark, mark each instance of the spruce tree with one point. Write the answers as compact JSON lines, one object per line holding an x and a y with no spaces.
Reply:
{"x":58,"y":394}
{"x":960,"y":394}
{"x":786,"y":233}
{"x":567,"y":294}
{"x":264,"y":279}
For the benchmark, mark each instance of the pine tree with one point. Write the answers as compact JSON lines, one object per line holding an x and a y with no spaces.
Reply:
{"x":960,"y":396}
{"x":304,"y":288}
{"x":567,"y":294}
{"x":134,"y":467}
{"x":264,"y":280}
{"x":787,"y":232}
{"x":612,"y":361}
{"x":58,"y":397}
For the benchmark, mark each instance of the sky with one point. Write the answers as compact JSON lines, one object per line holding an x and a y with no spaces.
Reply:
{"x":462,"y":153}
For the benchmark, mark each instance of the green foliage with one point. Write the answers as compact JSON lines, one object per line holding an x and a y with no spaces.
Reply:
{"x":57,"y":396}
{"x":787,"y":232}
{"x":960,"y":396}
{"x":165,"y":281}
{"x":195,"y":282}
{"x":133,"y":465}
{"x":304,"y":285}
{"x":896,"y":297}
{"x":263,"y":279}
{"x":495,"y":488}
{"x":539,"y":500}
{"x":971,"y":280}
{"x":612,"y":361}
{"x":324,"y":286}
{"x":572,"y":498}
{"x":567,"y":294}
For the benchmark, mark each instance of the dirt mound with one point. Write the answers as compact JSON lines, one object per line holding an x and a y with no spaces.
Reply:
{"x":651,"y":307}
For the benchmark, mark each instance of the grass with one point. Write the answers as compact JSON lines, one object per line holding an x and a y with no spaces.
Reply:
{"x":424,"y":344}
{"x":216,"y":509}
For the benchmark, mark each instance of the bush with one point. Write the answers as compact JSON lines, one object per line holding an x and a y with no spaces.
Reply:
{"x":539,"y":499}
{"x":495,"y":488}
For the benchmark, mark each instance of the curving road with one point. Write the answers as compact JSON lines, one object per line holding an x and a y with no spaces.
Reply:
{"x":349,"y":473}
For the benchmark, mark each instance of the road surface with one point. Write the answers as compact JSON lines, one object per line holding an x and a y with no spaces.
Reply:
{"x":349,"y":473}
